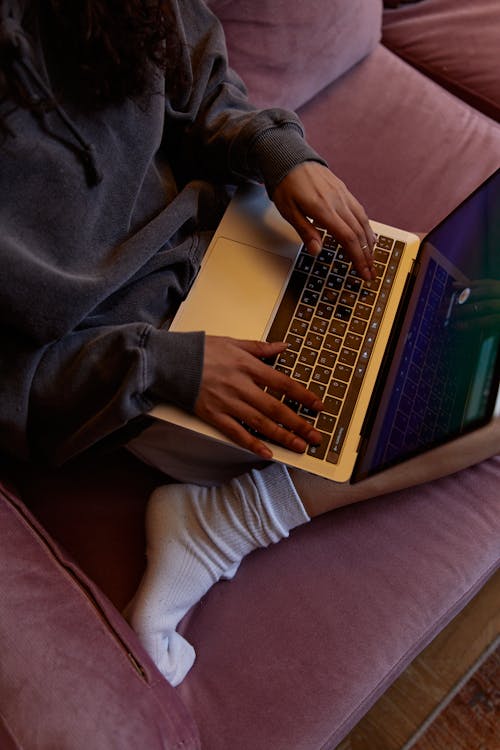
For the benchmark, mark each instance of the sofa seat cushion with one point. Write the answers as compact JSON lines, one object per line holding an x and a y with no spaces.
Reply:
{"x":310,"y":632}
{"x":287,"y":52}
{"x":409,"y":150}
{"x":67,"y":676}
{"x":455,"y":42}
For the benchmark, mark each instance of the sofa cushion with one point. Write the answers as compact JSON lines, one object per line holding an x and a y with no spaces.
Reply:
{"x":68,"y":679}
{"x":310,"y":632}
{"x":287,"y":52}
{"x":408,"y":149}
{"x":455,"y":42}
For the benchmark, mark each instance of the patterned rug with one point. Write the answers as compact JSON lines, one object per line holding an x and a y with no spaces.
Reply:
{"x":469,"y":717}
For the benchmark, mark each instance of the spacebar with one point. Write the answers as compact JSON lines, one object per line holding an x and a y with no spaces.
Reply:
{"x":343,"y":422}
{"x":287,"y":307}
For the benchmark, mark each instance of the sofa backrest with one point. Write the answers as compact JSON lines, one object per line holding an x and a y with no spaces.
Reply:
{"x":286,"y":52}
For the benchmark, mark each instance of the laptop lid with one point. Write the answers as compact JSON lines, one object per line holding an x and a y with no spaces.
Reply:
{"x":440,"y":378}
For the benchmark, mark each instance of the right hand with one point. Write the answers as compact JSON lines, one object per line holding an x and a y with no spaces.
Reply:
{"x":231,"y":392}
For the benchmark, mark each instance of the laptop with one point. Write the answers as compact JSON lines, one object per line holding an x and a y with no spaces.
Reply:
{"x":403,"y":363}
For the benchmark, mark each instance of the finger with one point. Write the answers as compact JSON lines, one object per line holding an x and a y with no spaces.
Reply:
{"x":261,"y":349}
{"x":266,"y":376}
{"x":239,"y":435}
{"x":349,"y":225}
{"x":277,"y":432}
{"x":310,"y":235}
{"x":266,"y":412}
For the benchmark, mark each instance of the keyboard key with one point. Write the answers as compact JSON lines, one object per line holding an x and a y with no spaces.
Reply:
{"x":337,"y":327}
{"x":342,"y":372}
{"x":294,"y":342}
{"x":318,"y":325}
{"x":348,"y":357}
{"x":380,"y":255}
{"x":357,"y":326}
{"x":302,"y":372}
{"x":326,"y":422}
{"x":348,"y":298}
{"x":337,"y":388}
{"x":332,"y":343}
{"x":352,"y":284}
{"x":334,"y":282}
{"x":332,"y":405}
{"x":308,"y":356}
{"x":313,"y":340}
{"x":287,"y":358}
{"x":342,"y":312}
{"x":353,"y":341}
{"x":304,"y":262}
{"x":305,"y":312}
{"x":367,"y":296}
{"x":319,"y":451}
{"x":324,"y":311}
{"x":329,"y":296}
{"x":320,"y":270}
{"x":362,"y":311}
{"x":384,"y":242}
{"x":326,"y":255}
{"x":317,"y":388}
{"x":314,"y":284}
{"x":299,"y":327}
{"x":327,"y":359}
{"x":310,"y":298}
{"x":322,"y":375}
{"x":339,"y":268}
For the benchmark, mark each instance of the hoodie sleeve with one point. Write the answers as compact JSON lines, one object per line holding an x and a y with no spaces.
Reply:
{"x":95,"y":382}
{"x":222,"y":133}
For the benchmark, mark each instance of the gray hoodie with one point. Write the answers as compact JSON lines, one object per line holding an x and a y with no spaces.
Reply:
{"x":102,"y":234}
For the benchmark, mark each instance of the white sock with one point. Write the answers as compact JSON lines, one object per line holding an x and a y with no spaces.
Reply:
{"x":195,"y":536}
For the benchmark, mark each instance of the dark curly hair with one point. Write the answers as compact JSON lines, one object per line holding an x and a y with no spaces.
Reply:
{"x":101,"y":51}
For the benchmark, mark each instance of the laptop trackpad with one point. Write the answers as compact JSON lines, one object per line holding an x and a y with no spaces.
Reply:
{"x":236,"y":291}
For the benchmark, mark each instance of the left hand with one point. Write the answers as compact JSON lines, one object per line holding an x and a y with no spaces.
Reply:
{"x":312,"y":191}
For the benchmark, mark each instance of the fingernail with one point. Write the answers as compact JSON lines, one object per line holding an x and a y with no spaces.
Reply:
{"x":264,"y":452}
{"x":298,"y":445}
{"x":318,"y":405}
{"x":314,"y":437}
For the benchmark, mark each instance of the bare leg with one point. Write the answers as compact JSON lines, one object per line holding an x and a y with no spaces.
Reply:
{"x":320,"y":495}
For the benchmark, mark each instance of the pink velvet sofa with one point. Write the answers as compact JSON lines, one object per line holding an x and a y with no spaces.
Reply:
{"x":296,"y":648}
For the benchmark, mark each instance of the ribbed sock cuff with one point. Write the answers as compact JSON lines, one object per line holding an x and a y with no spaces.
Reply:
{"x":280,"y":497}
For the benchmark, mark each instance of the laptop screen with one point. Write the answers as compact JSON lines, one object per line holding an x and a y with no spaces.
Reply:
{"x":441,"y":374}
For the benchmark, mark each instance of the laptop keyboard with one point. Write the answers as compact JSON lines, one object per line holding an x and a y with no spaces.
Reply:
{"x":330,"y":319}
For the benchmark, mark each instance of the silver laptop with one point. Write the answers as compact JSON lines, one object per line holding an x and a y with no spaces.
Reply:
{"x":403,"y":363}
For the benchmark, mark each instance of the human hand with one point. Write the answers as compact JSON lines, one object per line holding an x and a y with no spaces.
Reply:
{"x":232,"y":392}
{"x":312,"y":191}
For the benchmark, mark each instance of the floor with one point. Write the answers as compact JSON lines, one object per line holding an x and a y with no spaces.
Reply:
{"x":402,"y":709}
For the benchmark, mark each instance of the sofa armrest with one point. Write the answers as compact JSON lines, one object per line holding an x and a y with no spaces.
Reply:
{"x":73,"y":675}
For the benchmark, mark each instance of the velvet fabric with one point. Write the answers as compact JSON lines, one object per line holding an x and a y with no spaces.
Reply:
{"x":455,"y":42}
{"x":287,"y":52}
{"x":293,"y":651}
{"x":68,"y":679}
{"x":296,"y":648}
{"x":406,"y":148}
